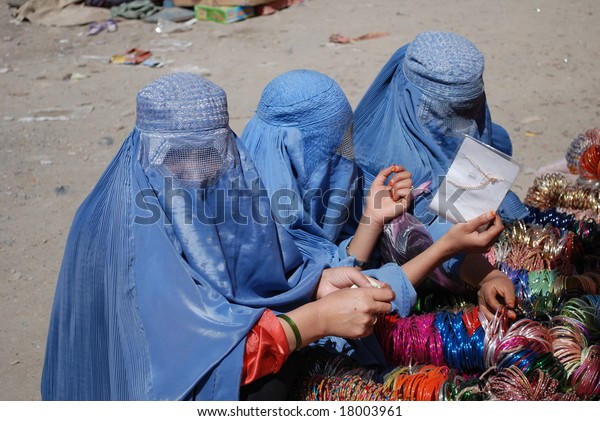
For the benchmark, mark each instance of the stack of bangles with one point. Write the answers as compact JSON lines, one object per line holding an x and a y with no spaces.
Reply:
{"x":554,"y":191}
{"x":460,"y":355}
{"x":549,"y":256}
{"x":550,"y":352}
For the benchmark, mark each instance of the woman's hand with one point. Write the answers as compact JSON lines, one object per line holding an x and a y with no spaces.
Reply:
{"x":496,"y":290}
{"x":468,"y":237}
{"x":385,"y":203}
{"x":334,"y":279}
{"x":352,"y":313}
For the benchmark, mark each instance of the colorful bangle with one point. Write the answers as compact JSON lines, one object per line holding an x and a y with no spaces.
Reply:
{"x":295,"y":329}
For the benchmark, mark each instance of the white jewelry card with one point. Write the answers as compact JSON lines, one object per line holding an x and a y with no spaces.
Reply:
{"x":477,"y":181}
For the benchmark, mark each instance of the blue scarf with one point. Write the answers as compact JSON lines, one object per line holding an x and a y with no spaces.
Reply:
{"x":160,"y":283}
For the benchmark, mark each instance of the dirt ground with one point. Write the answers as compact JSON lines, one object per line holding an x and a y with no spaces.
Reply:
{"x":542,"y":81}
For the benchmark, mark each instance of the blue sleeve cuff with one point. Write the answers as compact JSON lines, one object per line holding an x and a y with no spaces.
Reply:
{"x":512,"y":208}
{"x":394,"y":276}
{"x":343,"y":258}
{"x":452,"y":266}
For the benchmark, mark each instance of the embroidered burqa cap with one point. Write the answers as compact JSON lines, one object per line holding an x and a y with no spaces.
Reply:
{"x":445,"y":66}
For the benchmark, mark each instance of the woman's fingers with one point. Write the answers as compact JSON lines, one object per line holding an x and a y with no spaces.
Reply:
{"x":401,"y":185}
{"x":383,"y":175}
{"x":481,"y":220}
{"x":358,"y":279}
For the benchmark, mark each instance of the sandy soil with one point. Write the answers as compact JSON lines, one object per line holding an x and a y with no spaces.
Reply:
{"x":542,"y":82}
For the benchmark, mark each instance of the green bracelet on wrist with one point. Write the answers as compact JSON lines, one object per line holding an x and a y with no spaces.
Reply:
{"x":295,"y":329}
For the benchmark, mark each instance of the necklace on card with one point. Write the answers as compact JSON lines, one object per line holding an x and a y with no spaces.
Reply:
{"x":487,"y":178}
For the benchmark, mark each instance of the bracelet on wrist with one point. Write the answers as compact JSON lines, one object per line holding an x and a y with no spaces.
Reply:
{"x":294,"y":328}
{"x":357,"y":263}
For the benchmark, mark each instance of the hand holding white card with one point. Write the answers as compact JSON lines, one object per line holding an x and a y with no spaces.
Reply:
{"x":476,"y":182}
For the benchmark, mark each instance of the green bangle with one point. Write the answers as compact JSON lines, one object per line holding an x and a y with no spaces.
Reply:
{"x":294,"y":329}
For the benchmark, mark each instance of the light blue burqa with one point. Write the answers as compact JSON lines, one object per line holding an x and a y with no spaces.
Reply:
{"x":416,"y":112}
{"x":301,"y":143}
{"x":162,"y":277}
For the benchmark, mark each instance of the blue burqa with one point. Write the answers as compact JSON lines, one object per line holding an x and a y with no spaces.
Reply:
{"x":301,"y":143}
{"x":170,"y":260}
{"x":417,"y":111}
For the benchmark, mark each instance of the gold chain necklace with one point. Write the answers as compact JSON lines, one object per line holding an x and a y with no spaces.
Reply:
{"x":487,"y":178}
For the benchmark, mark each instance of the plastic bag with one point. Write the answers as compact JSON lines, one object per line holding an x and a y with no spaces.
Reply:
{"x":404,"y":238}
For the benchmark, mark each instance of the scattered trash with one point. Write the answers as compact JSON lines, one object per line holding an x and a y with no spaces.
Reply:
{"x":46,"y":162}
{"x":165,"y":26}
{"x":5,"y":70}
{"x":58,"y":114}
{"x":223,"y":14}
{"x":96,"y":27}
{"x":131,"y":56}
{"x":342,"y":39}
{"x":153,"y":63}
{"x":136,"y":9}
{"x":172,"y":14}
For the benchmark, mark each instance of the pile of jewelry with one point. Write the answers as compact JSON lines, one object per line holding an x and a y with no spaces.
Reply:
{"x":460,"y":355}
{"x":446,"y":350}
{"x":583,"y":155}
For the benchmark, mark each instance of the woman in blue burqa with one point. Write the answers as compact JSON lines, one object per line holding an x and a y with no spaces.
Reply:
{"x":176,"y":282}
{"x":425,"y":99}
{"x":301,"y":143}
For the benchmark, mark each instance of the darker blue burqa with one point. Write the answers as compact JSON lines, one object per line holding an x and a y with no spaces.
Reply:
{"x":416,"y":112}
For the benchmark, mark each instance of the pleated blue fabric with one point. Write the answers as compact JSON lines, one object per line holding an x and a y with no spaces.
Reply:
{"x":416,"y":112}
{"x":301,"y":143}
{"x":170,"y":260}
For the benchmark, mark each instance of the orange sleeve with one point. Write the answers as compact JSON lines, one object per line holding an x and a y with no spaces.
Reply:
{"x":266,"y":348}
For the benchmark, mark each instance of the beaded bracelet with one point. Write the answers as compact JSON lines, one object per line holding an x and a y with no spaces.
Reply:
{"x":295,"y":329}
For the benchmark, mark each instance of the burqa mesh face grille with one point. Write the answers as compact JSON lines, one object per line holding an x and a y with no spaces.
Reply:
{"x":192,"y":162}
{"x":453,"y":120}
{"x":346,"y":148}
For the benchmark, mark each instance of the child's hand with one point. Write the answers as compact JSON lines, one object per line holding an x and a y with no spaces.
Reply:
{"x":496,"y":290}
{"x":475,"y":236}
{"x":385,"y":203}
